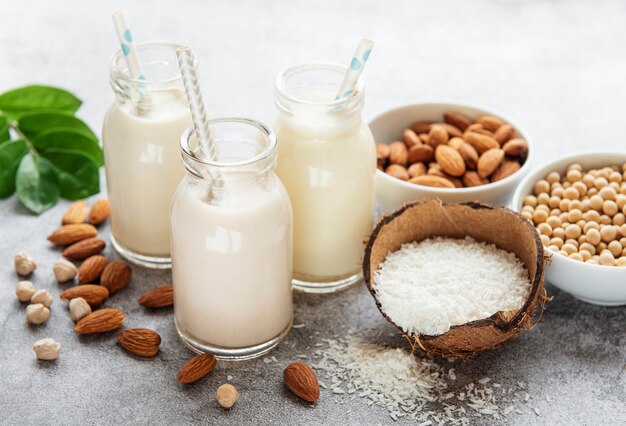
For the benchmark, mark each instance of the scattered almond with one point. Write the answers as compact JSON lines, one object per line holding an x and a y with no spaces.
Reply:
{"x":450,"y":160}
{"x":100,"y":321}
{"x":116,"y":276}
{"x":434,"y":181}
{"x":69,"y":234}
{"x":140,"y":341}
{"x":302,"y":381}
{"x":159,"y":297}
{"x":91,"y":269}
{"x":196,"y":368}
{"x":99,"y":212}
{"x":489,"y":162}
{"x":75,"y":213}
{"x":95,"y":295}
{"x":84,"y":248}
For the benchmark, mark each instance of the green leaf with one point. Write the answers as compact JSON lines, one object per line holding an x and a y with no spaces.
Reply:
{"x":10,"y":156}
{"x":35,"y":122}
{"x":69,"y":139}
{"x":37,"y":184}
{"x":78,"y":175}
{"x":4,"y":130}
{"x":28,"y":98}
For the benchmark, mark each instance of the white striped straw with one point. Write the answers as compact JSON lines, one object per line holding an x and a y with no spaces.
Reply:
{"x":196,"y":105}
{"x":127,"y":44}
{"x":356,"y":68}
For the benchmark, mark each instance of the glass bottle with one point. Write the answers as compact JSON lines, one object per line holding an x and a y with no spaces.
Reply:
{"x":232,"y":244}
{"x":327,"y":161}
{"x":140,"y":139}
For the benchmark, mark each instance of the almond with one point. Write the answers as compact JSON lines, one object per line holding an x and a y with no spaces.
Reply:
{"x":100,"y":321}
{"x":437,"y":135}
{"x":99,"y":212}
{"x":93,"y":294}
{"x":91,"y":269}
{"x":417,"y":169}
{"x":456,"y":143}
{"x":410,"y":138}
{"x":116,"y":276}
{"x":196,"y":368}
{"x":435,"y":170}
{"x":420,"y":154}
{"x":504,"y":133}
{"x":434,"y":181}
{"x":489,"y":162}
{"x":469,"y":154}
{"x":480,"y":142}
{"x":516,"y":148}
{"x":490,"y":122}
{"x":450,"y":160}
{"x":302,"y":381}
{"x":397,"y":171}
{"x":458,"y":120}
{"x":140,"y":341}
{"x":423,"y":137}
{"x":472,"y":178}
{"x":506,"y":169}
{"x":159,"y":297}
{"x":398,"y":153}
{"x":453,"y":131}
{"x":421,"y":126}
{"x":382,"y":152}
{"x":68,"y":234}
{"x":84,"y":248}
{"x":75,"y":213}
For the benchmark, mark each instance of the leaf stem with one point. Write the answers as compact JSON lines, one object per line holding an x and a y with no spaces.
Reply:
{"x":15,"y":127}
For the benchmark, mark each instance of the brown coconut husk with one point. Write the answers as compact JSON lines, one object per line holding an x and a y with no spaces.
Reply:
{"x":492,"y":224}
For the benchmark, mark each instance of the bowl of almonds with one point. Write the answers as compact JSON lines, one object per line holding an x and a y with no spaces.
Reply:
{"x":578,"y":205}
{"x":454,"y":152}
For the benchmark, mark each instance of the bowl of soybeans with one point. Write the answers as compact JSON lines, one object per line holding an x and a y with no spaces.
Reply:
{"x":578,"y":205}
{"x":454,"y":152}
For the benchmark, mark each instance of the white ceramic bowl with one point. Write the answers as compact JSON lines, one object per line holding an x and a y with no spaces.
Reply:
{"x":392,"y":192}
{"x":597,"y":284}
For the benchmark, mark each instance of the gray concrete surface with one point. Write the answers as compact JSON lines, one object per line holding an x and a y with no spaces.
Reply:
{"x":557,"y":67}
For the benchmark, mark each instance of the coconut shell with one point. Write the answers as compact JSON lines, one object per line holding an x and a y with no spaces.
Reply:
{"x":492,"y":224}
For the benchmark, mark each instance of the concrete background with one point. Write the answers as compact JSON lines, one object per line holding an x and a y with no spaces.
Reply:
{"x":556,"y":67}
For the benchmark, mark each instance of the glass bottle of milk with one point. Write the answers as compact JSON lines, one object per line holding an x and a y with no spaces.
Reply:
{"x":232,"y":244}
{"x":142,"y":160}
{"x":327,"y":162}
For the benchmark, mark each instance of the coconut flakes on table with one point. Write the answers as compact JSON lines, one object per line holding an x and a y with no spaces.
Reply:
{"x":407,"y":386}
{"x":427,"y":287}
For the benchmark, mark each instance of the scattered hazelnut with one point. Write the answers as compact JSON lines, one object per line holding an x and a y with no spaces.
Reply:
{"x":42,"y":296}
{"x":47,"y":349}
{"x":24,"y":290}
{"x":37,"y":314}
{"x":79,"y":308}
{"x":227,"y":395}
{"x":64,"y":270}
{"x":24,"y":264}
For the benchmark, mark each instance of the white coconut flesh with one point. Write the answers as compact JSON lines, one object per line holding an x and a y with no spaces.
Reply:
{"x":429,"y":286}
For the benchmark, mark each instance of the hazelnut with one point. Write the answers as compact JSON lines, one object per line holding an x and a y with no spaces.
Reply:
{"x":42,"y":296}
{"x":24,"y":290}
{"x":47,"y":349}
{"x":24,"y":264}
{"x":227,"y":395}
{"x":79,"y":308}
{"x":64,"y":270}
{"x":37,"y":314}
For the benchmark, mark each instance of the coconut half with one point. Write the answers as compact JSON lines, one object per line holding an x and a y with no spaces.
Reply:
{"x":506,"y":229}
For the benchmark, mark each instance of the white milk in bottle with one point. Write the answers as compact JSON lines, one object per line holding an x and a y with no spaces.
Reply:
{"x":232,"y":244}
{"x":327,"y":162}
{"x":142,"y":156}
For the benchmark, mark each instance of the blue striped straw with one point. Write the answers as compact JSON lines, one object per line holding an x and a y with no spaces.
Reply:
{"x":355,"y":69}
{"x":127,"y":44}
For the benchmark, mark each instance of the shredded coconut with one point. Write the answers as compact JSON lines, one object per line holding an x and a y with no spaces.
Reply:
{"x":427,"y":287}
{"x":407,"y":386}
